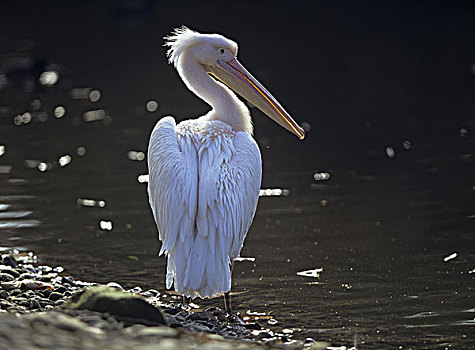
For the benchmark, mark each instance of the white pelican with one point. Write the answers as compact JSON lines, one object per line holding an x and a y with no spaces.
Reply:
{"x":205,"y":173}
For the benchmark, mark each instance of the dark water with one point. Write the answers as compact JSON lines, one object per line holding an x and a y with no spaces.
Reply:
{"x":381,"y":195}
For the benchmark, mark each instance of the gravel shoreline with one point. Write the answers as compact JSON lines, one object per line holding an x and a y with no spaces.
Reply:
{"x":41,"y":307}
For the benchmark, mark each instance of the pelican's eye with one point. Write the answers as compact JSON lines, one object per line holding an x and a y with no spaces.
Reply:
{"x":221,"y":51}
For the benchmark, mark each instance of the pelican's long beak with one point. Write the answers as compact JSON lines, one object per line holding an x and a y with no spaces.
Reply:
{"x":237,"y":78}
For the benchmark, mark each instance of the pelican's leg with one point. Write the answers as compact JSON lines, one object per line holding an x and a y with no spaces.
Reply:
{"x":227,"y":295}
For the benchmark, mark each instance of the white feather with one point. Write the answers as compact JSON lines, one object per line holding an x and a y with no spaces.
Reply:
{"x":202,"y":227}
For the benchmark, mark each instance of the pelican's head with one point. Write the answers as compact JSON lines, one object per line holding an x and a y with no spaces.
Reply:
{"x":217,"y":55}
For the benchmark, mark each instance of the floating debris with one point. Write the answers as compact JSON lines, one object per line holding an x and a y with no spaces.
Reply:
{"x":105,"y":225}
{"x":315,"y":273}
{"x":450,"y":257}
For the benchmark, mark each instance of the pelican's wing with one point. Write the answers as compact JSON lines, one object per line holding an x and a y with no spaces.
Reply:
{"x":229,"y":182}
{"x":172,"y":192}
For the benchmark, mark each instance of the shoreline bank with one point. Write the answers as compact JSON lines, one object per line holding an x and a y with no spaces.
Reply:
{"x":43,"y":307}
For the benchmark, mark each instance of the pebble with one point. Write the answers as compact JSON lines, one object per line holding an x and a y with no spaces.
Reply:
{"x":115,"y":285}
{"x":9,"y":261}
{"x":6,"y":277}
{"x":55,"y":296}
{"x":42,"y":288}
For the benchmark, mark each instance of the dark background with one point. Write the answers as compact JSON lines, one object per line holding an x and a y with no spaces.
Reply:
{"x":367,"y":73}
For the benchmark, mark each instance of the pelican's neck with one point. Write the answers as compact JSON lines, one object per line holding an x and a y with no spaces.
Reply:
{"x":226,"y":106}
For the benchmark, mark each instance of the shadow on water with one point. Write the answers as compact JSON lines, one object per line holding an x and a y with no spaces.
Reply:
{"x":364,"y":232}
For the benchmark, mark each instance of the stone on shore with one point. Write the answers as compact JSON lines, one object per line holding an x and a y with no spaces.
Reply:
{"x":59,"y":330}
{"x":126,"y":307}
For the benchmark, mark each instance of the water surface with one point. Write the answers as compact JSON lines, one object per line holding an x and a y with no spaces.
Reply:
{"x":380,"y":195}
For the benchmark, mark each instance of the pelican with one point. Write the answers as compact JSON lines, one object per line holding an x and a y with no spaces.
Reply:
{"x":205,"y":173}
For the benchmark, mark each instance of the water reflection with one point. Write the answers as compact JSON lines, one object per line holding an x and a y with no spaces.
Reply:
{"x":64,"y":160}
{"x":273,"y":192}
{"x":49,"y":78}
{"x":152,"y":106}
{"x":136,"y":155}
{"x":85,"y":202}
{"x":59,"y":112}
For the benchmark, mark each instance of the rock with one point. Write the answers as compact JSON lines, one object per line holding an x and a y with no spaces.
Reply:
{"x":318,"y":345}
{"x":46,"y":278}
{"x":171,"y":311}
{"x":6,"y":277}
{"x":34,"y":304}
{"x":153,"y":331}
{"x":292,"y":345}
{"x":170,"y":319}
{"x":126,"y":307}
{"x":255,"y":325}
{"x":27,"y":276}
{"x":115,"y":285}
{"x":69,"y":280}
{"x":197,"y":327}
{"x":59,"y":320}
{"x":3,"y":294}
{"x":153,"y":292}
{"x":9,"y":261}
{"x":45,"y":292}
{"x":15,"y":292}
{"x":193,"y":317}
{"x":10,"y":271}
{"x":54,"y":296}
{"x":45,"y":302}
{"x":60,"y":289}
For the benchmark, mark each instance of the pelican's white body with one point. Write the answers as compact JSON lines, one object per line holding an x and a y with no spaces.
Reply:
{"x":205,"y":174}
{"x":203,"y":187}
